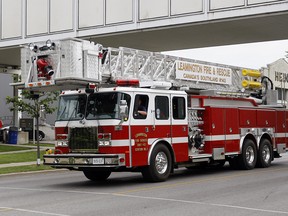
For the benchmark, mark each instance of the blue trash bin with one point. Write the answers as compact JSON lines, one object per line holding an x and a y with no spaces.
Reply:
{"x":13,"y":135}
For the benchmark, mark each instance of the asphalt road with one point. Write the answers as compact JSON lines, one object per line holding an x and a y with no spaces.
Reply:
{"x":197,"y":192}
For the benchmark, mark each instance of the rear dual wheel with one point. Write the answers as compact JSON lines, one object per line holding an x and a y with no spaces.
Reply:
{"x":265,"y":154}
{"x":250,"y":157}
{"x":247,"y":159}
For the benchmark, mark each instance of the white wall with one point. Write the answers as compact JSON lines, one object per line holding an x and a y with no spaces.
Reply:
{"x":25,"y":19}
{"x":11,"y":22}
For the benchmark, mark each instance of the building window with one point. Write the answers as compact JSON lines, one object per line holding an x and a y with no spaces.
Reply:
{"x":282,"y":93}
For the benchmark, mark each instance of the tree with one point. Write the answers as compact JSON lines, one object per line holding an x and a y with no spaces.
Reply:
{"x":31,"y":103}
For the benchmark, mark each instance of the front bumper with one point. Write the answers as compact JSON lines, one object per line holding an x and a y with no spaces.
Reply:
{"x":84,"y":160}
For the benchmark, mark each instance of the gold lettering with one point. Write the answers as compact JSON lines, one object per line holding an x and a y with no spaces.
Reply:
{"x":223,"y":72}
{"x":185,"y":66}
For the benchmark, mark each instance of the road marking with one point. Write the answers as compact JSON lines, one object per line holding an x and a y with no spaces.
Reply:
{"x":56,"y":191}
{"x":203,"y":203}
{"x":207,"y":179}
{"x":125,"y":193}
{"x":2,"y":209}
{"x":138,"y":197}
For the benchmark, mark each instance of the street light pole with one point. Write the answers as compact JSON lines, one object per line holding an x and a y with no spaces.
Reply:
{"x":38,"y":144}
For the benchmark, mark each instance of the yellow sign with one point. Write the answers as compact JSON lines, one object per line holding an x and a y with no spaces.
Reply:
{"x":203,"y":73}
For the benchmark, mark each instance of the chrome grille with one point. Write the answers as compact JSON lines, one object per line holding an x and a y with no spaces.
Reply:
{"x":83,"y":139}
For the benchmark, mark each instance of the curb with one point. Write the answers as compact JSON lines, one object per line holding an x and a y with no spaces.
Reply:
{"x":19,"y":164}
{"x":33,"y":172}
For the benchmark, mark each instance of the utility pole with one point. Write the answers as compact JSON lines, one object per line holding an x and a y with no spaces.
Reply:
{"x":36,"y":98}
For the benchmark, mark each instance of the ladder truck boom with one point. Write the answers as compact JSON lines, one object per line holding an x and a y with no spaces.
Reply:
{"x":74,"y":62}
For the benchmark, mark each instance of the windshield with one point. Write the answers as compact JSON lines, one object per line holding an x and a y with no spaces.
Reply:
{"x":99,"y":106}
{"x":71,"y":107}
{"x":105,"y":105}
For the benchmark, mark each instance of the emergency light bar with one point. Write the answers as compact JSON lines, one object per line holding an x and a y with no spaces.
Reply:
{"x":128,"y":82}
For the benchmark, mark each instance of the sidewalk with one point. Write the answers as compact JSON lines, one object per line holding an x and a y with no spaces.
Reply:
{"x":33,"y":149}
{"x":19,"y":164}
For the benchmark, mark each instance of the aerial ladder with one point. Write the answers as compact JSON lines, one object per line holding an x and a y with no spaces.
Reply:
{"x":73,"y":63}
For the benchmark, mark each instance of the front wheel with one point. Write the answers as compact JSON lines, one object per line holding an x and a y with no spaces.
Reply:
{"x":247,"y":159}
{"x":265,"y":154}
{"x":160,"y":164}
{"x":96,"y":175}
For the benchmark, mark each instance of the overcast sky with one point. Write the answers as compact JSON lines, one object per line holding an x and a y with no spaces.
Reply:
{"x":253,"y":55}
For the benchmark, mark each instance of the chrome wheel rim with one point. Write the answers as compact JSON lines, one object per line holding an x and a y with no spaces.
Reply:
{"x":250,"y":155}
{"x":266,"y":154}
{"x":161,"y":162}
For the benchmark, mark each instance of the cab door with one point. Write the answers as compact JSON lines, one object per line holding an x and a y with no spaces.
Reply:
{"x":161,"y":117}
{"x":141,"y":128}
{"x":179,"y":127}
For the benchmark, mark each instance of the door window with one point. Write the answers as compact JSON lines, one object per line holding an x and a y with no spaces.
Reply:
{"x":161,"y":107}
{"x":179,"y":108}
{"x":140,"y":106}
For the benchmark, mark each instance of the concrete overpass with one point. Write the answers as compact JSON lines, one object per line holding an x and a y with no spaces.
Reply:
{"x":145,"y":24}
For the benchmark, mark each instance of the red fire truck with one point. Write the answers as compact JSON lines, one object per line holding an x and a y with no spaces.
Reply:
{"x":131,"y":110}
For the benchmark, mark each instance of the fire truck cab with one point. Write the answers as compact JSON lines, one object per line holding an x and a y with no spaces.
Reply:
{"x":108,"y":127}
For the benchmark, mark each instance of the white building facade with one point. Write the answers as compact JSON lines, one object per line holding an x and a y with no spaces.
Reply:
{"x":278,"y":73}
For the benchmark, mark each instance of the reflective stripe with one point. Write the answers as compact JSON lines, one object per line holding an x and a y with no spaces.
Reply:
{"x":280,"y":135}
{"x":124,"y":142}
{"x":176,"y":140}
{"x":222,"y":137}
{"x":233,"y":137}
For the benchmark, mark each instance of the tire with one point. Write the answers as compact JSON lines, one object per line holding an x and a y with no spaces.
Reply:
{"x":264,"y":154}
{"x":248,"y":158}
{"x":160,"y":165}
{"x":96,"y":175}
{"x":40,"y":136}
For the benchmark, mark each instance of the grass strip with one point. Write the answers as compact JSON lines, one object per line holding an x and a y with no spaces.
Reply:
{"x":41,"y":144}
{"x":20,"y":169}
{"x":19,"y":157}
{"x":4,"y":148}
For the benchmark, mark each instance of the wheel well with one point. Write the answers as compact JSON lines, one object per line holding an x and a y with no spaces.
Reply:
{"x":268,"y":137}
{"x":164,"y":142}
{"x":249,"y":137}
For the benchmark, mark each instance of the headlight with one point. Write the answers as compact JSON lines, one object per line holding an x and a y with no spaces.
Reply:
{"x":62,"y":143}
{"x":104,"y":139}
{"x":33,"y":47}
{"x":48,"y":43}
{"x":104,"y":143}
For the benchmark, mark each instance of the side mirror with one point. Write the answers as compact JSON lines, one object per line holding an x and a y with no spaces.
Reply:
{"x":123,"y":109}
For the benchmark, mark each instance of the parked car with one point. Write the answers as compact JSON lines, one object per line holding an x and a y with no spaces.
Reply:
{"x":4,"y":130}
{"x":41,"y":134}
